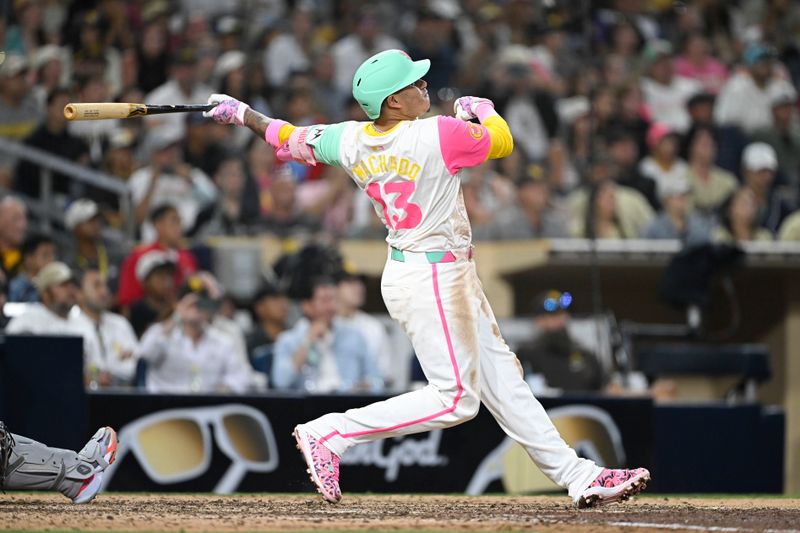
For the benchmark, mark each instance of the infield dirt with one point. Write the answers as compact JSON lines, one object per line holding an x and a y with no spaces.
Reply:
{"x":112,"y":512}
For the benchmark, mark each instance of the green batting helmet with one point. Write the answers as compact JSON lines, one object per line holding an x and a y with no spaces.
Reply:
{"x":383,"y":74}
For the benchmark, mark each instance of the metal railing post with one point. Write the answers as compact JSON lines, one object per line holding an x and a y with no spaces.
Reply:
{"x":46,"y":192}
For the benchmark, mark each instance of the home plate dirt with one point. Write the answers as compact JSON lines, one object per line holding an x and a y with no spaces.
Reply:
{"x":150,"y":512}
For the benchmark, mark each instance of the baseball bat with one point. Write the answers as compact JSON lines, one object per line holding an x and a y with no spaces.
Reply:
{"x":105,"y":110}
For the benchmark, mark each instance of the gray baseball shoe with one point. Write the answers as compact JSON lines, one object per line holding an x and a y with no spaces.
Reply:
{"x":99,"y":452}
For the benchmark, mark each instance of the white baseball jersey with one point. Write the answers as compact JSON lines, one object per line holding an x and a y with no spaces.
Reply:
{"x":410,"y":174}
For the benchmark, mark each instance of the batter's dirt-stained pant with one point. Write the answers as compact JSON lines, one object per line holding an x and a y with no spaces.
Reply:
{"x":443,"y":310}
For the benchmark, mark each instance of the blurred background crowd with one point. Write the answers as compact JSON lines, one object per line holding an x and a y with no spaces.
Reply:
{"x":632,"y":120}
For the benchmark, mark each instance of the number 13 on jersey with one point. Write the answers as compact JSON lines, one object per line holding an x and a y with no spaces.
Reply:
{"x":398,"y":212}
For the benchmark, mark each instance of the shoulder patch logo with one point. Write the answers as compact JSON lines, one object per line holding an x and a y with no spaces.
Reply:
{"x":475,"y":130}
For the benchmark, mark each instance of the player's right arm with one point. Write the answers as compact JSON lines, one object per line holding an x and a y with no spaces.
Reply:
{"x":307,"y":145}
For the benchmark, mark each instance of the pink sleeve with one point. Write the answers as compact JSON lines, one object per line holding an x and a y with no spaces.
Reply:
{"x":463,"y":144}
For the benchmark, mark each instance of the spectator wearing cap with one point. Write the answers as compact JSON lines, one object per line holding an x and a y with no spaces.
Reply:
{"x":13,"y":227}
{"x":19,"y":110}
{"x":90,"y":248}
{"x":352,"y":293}
{"x":185,"y":355}
{"x":710,"y":184}
{"x":58,"y":295}
{"x":168,"y":179}
{"x":759,"y":166}
{"x":320,"y":354}
{"x":270,"y":308}
{"x":181,"y":86}
{"x":744,"y":100}
{"x":677,"y":219}
{"x":50,"y":64}
{"x":155,"y":271}
{"x":169,"y":237}
{"x":118,"y":161}
{"x":202,"y":148}
{"x":554,"y":354}
{"x":730,"y":139}
{"x":531,"y":111}
{"x":211,"y":294}
{"x":52,"y":136}
{"x":95,"y":133}
{"x":228,"y":30}
{"x":537,"y":213}
{"x":738,"y":219}
{"x":353,"y":49}
{"x":37,"y":251}
{"x":784,"y":135}
{"x":112,"y":333}
{"x":231,"y":78}
{"x":663,"y":163}
{"x":291,"y":49}
{"x":665,"y":92}
{"x":697,"y":63}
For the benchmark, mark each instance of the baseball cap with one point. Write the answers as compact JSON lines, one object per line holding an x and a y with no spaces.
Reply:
{"x":268,"y":290}
{"x":152,"y":260}
{"x":228,"y":62}
{"x":13,"y":65}
{"x":47,"y":53}
{"x":781,"y":92}
{"x":756,"y":51}
{"x":54,"y":273}
{"x":123,"y":138}
{"x":163,"y":137}
{"x":656,"y":132}
{"x":195,"y":285}
{"x":185,"y":55}
{"x":228,"y":25}
{"x":759,"y":156}
{"x":80,"y":211}
{"x":676,"y":186}
{"x":656,"y":49}
{"x":700,"y":98}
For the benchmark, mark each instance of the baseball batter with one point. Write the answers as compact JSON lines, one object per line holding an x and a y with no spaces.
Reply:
{"x":409,"y":167}
{"x":29,"y":465}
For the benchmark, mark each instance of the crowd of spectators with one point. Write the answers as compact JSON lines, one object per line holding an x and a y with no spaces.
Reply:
{"x":652,"y":119}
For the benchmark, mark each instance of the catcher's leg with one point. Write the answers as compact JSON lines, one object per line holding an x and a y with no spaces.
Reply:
{"x":26,"y":464}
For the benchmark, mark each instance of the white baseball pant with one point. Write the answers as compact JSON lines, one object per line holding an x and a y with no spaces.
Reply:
{"x":453,"y":330}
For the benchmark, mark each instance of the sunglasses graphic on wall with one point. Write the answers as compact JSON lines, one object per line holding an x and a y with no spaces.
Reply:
{"x":175,"y":445}
{"x":588,"y":429}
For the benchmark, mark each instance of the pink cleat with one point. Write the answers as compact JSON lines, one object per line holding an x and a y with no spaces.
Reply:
{"x":613,"y":486}
{"x":323,"y":465}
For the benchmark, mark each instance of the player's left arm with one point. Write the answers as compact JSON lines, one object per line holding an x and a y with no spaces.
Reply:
{"x":308,"y":145}
{"x":466,"y":144}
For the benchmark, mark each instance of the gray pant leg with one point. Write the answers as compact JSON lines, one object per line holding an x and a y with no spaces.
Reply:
{"x":34,"y":466}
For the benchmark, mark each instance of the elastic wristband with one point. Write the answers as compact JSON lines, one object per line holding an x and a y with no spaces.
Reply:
{"x":240,"y":111}
{"x":272,"y":135}
{"x":484,"y":111}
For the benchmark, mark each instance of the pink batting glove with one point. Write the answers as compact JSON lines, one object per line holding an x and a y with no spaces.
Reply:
{"x":228,"y":110}
{"x":466,"y":107}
